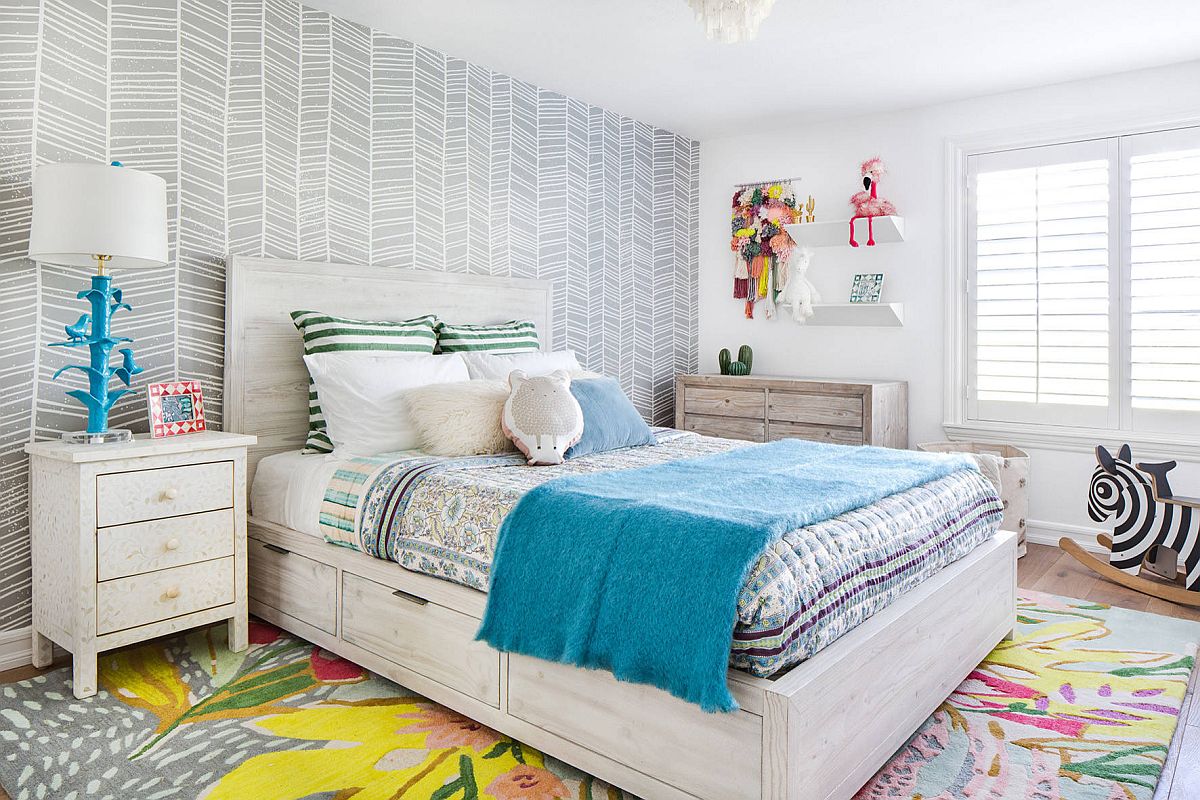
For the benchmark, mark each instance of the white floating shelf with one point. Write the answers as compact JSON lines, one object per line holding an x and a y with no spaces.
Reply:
{"x":866,"y":315}
{"x":888,"y":230}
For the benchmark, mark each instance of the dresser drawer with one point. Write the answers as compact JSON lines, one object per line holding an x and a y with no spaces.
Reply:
{"x":815,"y":433}
{"x":140,"y":547}
{"x":298,"y":586}
{"x":723,"y":402}
{"x":414,"y":632}
{"x":123,"y":497}
{"x":752,"y":430}
{"x":815,"y":409}
{"x":142,"y":599}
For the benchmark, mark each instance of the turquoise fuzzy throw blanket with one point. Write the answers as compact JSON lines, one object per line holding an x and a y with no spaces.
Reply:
{"x":638,"y":571}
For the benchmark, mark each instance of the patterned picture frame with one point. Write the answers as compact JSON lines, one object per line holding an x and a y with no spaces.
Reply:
{"x":175,"y":408}
{"x":867,"y":287}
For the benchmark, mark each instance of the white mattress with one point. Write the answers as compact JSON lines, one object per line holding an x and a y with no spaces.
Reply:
{"x":288,"y":489}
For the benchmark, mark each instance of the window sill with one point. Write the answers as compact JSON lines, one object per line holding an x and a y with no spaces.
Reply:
{"x":1073,"y":439}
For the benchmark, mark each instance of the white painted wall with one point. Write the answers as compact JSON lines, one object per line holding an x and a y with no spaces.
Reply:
{"x":912,"y":143}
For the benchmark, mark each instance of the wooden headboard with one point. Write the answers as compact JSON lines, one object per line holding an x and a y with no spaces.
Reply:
{"x":266,"y":384}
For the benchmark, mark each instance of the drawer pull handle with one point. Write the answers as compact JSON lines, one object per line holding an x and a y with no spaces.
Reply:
{"x":274,"y":548}
{"x":412,"y":598}
{"x":172,"y":544}
{"x":170,"y":493}
{"x":171,"y":593}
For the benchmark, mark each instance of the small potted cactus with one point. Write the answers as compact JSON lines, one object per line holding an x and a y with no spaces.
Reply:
{"x":740,"y":367}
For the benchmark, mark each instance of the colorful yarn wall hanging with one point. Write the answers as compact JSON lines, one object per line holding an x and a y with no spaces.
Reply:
{"x":760,"y":244}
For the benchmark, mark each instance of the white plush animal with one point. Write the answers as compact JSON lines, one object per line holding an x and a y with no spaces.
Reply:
{"x":541,"y":416}
{"x":799,"y":294}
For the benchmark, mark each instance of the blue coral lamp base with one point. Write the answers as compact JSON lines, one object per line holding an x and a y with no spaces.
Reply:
{"x":93,"y":332}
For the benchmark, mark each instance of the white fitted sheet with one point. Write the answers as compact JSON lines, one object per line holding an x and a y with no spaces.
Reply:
{"x":288,"y":489}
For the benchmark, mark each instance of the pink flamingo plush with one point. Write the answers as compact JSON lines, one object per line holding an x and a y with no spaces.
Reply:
{"x":867,"y":204}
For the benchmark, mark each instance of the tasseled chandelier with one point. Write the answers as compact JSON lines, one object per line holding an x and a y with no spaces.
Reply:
{"x":731,"y":21}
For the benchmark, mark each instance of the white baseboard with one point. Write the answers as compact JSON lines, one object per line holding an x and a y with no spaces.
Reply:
{"x":1043,"y":532}
{"x":16,"y":648}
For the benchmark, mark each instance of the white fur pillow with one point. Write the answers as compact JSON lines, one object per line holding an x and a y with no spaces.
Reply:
{"x":460,"y":419}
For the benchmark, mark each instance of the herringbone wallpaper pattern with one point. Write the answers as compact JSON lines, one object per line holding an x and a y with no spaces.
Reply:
{"x":284,"y":131}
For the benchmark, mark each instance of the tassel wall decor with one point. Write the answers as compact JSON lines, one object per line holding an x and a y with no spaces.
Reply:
{"x":760,"y":244}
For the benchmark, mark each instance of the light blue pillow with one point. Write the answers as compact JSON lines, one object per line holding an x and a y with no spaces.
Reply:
{"x":609,"y":420}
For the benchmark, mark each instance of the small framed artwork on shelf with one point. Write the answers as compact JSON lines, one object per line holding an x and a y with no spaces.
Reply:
{"x":176,"y":408}
{"x":867,"y":287}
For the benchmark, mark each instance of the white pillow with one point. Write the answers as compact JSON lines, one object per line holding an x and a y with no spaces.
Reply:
{"x":460,"y":419}
{"x":362,"y":396}
{"x":491,"y":367}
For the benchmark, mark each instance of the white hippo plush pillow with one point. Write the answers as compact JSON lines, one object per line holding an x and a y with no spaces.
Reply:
{"x":541,"y":416}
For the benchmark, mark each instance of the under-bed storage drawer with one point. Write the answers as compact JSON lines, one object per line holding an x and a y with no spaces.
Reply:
{"x":626,"y":722}
{"x":425,"y":637}
{"x":293,"y":584}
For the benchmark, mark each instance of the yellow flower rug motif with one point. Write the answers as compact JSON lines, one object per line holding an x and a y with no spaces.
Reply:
{"x":1080,"y":707}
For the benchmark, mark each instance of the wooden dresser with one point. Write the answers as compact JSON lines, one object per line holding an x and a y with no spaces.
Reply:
{"x":765,"y":408}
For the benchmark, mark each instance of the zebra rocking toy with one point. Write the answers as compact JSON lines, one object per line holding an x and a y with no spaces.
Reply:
{"x":1152,"y":527}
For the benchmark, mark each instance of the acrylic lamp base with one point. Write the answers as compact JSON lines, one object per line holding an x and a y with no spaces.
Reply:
{"x":108,"y":437}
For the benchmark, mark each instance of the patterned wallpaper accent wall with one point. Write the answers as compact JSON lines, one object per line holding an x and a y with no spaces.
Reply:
{"x":283,"y":131}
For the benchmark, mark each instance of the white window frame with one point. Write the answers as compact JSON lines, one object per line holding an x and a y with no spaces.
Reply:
{"x":958,"y":421}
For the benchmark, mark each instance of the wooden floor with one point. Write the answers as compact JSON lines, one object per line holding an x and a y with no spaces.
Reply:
{"x":1048,"y":569}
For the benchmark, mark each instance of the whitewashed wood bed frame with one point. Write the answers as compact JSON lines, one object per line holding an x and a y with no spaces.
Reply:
{"x":816,"y":732}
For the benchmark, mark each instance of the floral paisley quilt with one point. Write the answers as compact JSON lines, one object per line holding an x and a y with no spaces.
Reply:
{"x":440,"y":516}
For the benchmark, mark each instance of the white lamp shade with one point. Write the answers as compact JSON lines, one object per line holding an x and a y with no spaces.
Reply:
{"x":80,"y":210}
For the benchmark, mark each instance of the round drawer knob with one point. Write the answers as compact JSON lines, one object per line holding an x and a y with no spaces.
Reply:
{"x":171,"y":593}
{"x":170,"y":493}
{"x":172,"y":544}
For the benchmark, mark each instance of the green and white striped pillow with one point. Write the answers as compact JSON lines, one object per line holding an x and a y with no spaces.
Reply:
{"x":324,"y":333}
{"x":518,"y":336}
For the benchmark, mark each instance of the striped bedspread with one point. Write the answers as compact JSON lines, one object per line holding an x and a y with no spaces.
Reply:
{"x":440,"y":516}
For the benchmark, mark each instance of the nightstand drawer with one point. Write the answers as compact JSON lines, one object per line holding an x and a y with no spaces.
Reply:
{"x":139,"y":547}
{"x":123,"y":497}
{"x":142,"y":599}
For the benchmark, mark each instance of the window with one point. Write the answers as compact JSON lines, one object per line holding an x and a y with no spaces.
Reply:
{"x":1083,"y":284}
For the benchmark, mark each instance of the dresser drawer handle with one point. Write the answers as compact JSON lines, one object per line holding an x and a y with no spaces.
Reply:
{"x":172,"y":544}
{"x":412,"y":598}
{"x":274,"y":548}
{"x":170,"y":493}
{"x":171,"y":593}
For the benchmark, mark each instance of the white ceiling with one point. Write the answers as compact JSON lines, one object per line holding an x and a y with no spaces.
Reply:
{"x":649,"y":59}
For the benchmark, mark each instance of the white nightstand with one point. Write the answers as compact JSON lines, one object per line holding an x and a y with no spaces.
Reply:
{"x":136,"y":540}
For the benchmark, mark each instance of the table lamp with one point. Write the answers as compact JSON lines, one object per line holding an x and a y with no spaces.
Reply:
{"x":108,"y":216}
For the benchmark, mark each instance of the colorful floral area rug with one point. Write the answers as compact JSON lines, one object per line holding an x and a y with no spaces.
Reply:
{"x":1081,"y":706}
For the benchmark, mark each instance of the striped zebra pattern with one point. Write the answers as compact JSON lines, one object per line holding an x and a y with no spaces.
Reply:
{"x":518,"y":336}
{"x":284,"y":131}
{"x":1124,"y":495}
{"x":323,"y":333}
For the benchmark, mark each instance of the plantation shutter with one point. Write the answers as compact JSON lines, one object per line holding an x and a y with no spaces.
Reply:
{"x":1164,"y":275}
{"x":1041,"y":249}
